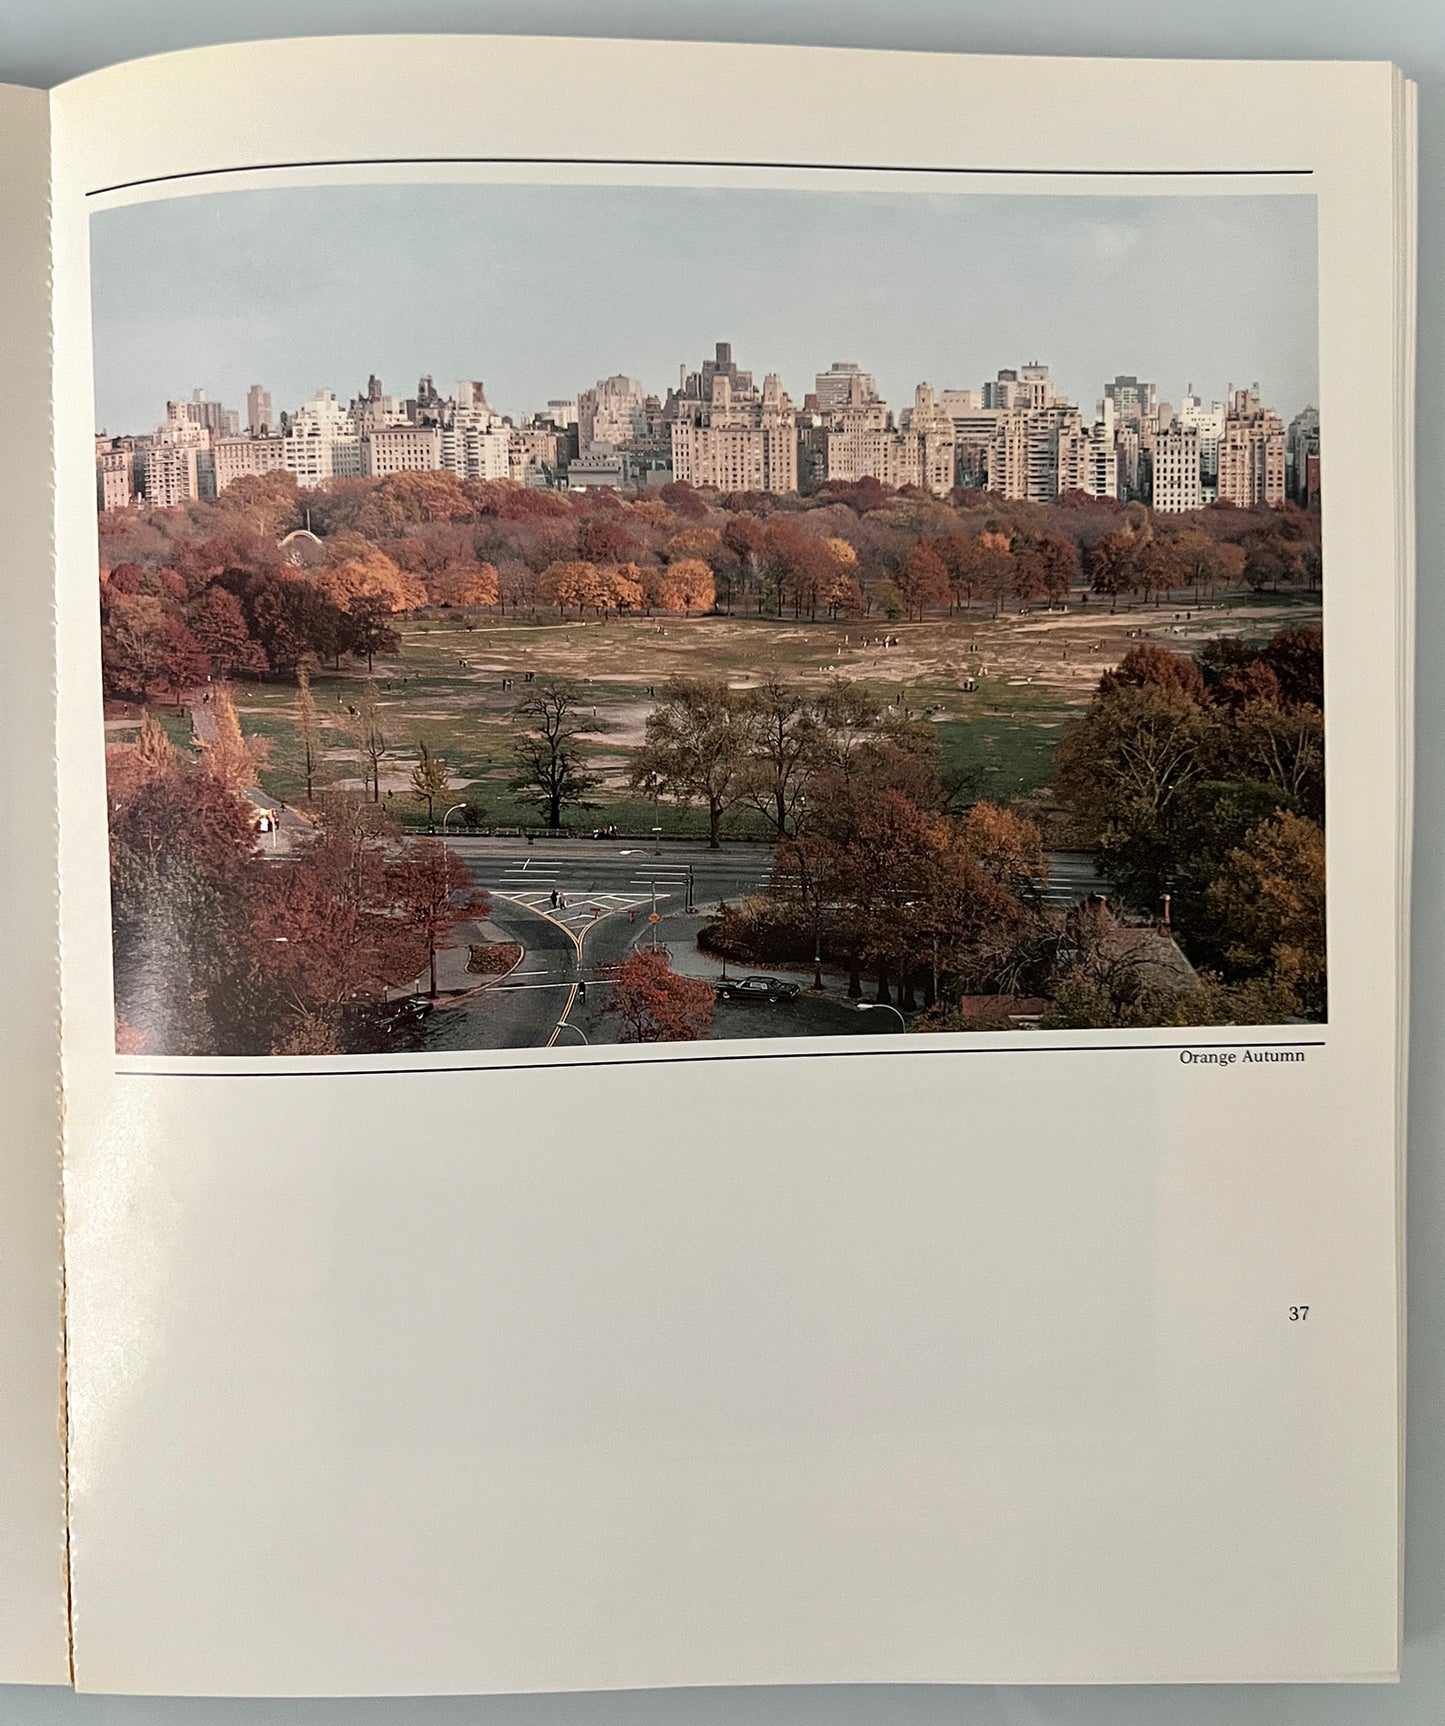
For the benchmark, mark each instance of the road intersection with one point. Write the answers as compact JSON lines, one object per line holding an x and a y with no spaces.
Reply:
{"x":576,"y":906}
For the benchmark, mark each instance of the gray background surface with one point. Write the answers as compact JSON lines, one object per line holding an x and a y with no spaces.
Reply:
{"x":45,"y":41}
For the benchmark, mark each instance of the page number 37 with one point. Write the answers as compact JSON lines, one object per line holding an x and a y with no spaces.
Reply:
{"x":1298,"y":1314}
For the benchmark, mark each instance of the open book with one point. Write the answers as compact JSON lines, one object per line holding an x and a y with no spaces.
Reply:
{"x":725,"y":733}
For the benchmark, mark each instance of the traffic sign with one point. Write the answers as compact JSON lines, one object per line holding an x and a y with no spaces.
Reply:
{"x":654,"y":916}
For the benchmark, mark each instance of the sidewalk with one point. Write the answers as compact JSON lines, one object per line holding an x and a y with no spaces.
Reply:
{"x":452,"y":974}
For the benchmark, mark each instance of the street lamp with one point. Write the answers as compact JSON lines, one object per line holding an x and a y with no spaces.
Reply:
{"x":886,"y":1006}
{"x":566,"y":1025}
{"x":447,"y":817}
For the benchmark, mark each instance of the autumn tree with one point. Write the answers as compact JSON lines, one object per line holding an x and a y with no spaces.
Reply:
{"x":784,"y":745}
{"x":549,"y":766}
{"x":923,"y":579}
{"x":994,"y":566}
{"x":747,"y":540}
{"x":605,"y":539}
{"x":1127,"y":767}
{"x":1007,"y":847}
{"x":1206,"y":564}
{"x":308,"y":728}
{"x":685,"y":585}
{"x":368,"y":727}
{"x":433,"y":892}
{"x":696,"y":749}
{"x":1112,"y":565}
{"x":569,"y":583}
{"x":1270,"y":902}
{"x":429,"y":781}
{"x":227,"y":756}
{"x":655,"y":1004}
{"x":147,"y":650}
{"x":1148,"y":664}
{"x":180,"y":842}
{"x":464,"y":585}
{"x":218,"y":624}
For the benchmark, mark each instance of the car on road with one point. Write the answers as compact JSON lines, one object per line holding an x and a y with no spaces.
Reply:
{"x":757,"y":989}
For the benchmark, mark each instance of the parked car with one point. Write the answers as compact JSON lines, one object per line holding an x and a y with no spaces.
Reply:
{"x":757,"y":989}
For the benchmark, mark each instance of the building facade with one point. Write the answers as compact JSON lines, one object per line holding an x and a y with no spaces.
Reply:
{"x":747,"y":444}
{"x":1176,"y":473}
{"x":1251,"y":453}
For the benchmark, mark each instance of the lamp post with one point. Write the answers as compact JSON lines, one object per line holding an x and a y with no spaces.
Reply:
{"x":447,"y":817}
{"x":567,"y":1025}
{"x":885,"y":1006}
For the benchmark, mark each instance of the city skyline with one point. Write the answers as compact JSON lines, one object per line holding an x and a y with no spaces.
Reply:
{"x":1210,"y":291}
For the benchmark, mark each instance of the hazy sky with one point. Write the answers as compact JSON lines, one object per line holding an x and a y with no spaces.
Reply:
{"x":541,"y":290}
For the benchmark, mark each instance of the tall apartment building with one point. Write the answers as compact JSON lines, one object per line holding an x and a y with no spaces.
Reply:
{"x":258,"y":410}
{"x":204,"y":415}
{"x":1135,"y":401}
{"x":1086,"y":460}
{"x":1176,"y":470}
{"x":1025,"y":389}
{"x":612,"y":412}
{"x":1207,"y":418}
{"x":844,"y":384}
{"x":1302,"y":456}
{"x":1036,"y":454}
{"x":475,"y":451}
{"x":893,"y":458}
{"x":400,"y":449}
{"x":114,"y":475}
{"x":1251,"y":453}
{"x":534,"y":455}
{"x":310,"y":457}
{"x":172,"y":474}
{"x":747,"y":445}
{"x":376,"y":411}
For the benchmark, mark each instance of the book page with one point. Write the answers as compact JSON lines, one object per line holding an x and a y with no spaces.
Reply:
{"x":33,"y":1631}
{"x":705,"y":1041}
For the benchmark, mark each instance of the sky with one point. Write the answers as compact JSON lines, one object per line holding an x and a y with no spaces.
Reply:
{"x":541,"y":290}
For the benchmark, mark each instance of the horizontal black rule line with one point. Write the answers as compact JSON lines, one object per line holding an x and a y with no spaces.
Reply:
{"x":661,"y":162}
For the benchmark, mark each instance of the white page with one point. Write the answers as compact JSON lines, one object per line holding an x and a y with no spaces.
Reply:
{"x":973,"y":1365}
{"x":34,"y":1646}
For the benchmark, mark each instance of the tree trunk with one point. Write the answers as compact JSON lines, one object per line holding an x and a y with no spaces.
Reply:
{"x":431,"y":953}
{"x":884,"y":998}
{"x":855,"y":978}
{"x":714,"y":821}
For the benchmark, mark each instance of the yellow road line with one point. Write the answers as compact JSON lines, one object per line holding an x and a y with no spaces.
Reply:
{"x":562,"y":1020}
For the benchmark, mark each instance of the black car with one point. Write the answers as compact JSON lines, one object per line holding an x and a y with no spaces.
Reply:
{"x":757,"y":989}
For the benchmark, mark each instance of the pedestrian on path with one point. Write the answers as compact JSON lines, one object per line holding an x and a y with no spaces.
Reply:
{"x":582,"y":989}
{"x":554,"y":898}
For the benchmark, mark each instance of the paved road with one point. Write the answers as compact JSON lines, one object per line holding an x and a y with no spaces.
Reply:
{"x":1072,"y":877}
{"x":578,"y":905}
{"x":575,"y":906}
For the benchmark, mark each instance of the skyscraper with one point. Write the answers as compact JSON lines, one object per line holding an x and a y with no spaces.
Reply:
{"x":258,"y":410}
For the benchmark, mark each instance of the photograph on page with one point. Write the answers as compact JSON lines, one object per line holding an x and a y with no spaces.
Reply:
{"x":546,"y":615}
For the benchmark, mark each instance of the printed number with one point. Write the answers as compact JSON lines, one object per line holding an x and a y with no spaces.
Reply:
{"x":1297,"y":1314}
